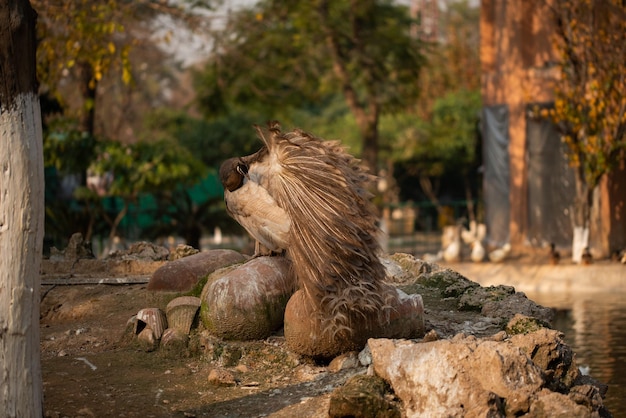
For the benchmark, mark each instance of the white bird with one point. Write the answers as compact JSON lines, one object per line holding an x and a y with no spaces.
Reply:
{"x":250,"y":204}
{"x":478,"y":252}
{"x":452,"y":252}
{"x":500,"y":254}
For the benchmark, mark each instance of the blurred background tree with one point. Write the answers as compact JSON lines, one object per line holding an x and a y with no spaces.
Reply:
{"x":278,"y":55}
{"x":590,"y":105}
{"x":355,"y":72}
{"x":102,"y":66}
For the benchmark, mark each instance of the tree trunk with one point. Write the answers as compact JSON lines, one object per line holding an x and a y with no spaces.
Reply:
{"x":87,"y":89}
{"x":116,"y":222}
{"x":368,"y":125}
{"x":21,"y":214}
{"x":366,"y":114}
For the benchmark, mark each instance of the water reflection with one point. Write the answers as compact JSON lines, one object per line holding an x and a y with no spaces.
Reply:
{"x":595,"y":327}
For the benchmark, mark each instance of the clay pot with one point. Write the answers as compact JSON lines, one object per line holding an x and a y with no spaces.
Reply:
{"x":181,"y":312}
{"x":152,"y":318}
{"x":174,"y":338}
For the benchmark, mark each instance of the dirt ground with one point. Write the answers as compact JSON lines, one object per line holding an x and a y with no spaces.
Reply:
{"x":92,"y":367}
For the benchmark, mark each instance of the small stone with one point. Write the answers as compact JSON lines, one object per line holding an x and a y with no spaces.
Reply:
{"x":174,"y":340}
{"x":344,"y":361}
{"x":242,"y":368}
{"x":430,"y":336}
{"x":146,"y":340}
{"x":182,"y":251}
{"x":522,"y":324}
{"x":365,"y":356}
{"x":221,"y":377}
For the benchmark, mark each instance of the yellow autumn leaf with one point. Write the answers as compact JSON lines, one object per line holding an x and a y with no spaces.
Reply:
{"x":126,"y":76}
{"x":111,"y":48}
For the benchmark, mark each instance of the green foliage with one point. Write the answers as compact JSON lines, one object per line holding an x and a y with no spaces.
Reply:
{"x":448,"y":142}
{"x":210,"y":141}
{"x":455,"y":127}
{"x":66,"y":148}
{"x":286,"y":54}
{"x":453,"y":64}
{"x":590,"y":105}
{"x":146,"y":167}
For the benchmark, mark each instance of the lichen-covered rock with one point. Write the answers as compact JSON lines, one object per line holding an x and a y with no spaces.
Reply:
{"x":247,"y":302}
{"x":183,"y":274}
{"x":513,"y":304}
{"x":464,"y":376}
{"x":182,"y":251}
{"x":532,"y":374}
{"x":402,"y":268}
{"x":475,"y":298}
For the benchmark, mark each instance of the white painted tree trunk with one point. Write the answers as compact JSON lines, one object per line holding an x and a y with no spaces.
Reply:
{"x":21,"y":240}
{"x":21,"y":213}
{"x":580,"y":241}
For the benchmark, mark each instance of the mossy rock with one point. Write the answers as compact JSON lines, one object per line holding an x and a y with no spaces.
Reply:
{"x":363,"y":396}
{"x":247,"y":302}
{"x":474,"y":298}
{"x":521,"y":324}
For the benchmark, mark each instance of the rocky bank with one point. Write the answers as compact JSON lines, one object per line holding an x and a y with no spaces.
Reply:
{"x":484,"y":351}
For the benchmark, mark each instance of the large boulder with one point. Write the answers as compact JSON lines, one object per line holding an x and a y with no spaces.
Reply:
{"x":528,"y":374}
{"x":184,"y":274}
{"x":248,"y":301}
{"x":304,"y":333}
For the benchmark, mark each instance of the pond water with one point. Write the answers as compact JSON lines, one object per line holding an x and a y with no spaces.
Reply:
{"x":594,"y":325}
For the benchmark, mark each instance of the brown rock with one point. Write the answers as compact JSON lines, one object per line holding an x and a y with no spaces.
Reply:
{"x":556,"y":405}
{"x":221,"y":377}
{"x":460,"y":377}
{"x":146,"y":340}
{"x":547,"y":350}
{"x":304,"y":335}
{"x":248,"y":302}
{"x":344,"y":361}
{"x":183,"y":274}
